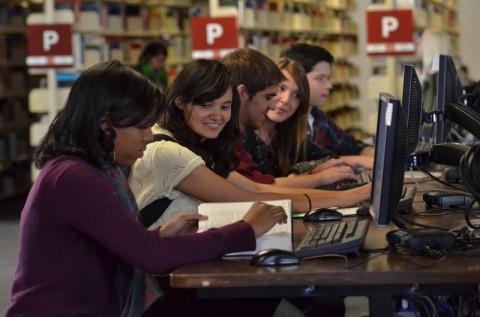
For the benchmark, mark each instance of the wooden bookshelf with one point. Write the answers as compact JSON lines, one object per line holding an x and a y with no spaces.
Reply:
{"x":15,"y":119}
{"x":271,"y":26}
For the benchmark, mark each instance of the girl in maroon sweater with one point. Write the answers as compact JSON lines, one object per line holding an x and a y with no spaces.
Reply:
{"x":82,"y":250}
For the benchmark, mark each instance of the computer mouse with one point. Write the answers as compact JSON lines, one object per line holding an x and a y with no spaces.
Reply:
{"x":271,"y":257}
{"x":322,"y":214}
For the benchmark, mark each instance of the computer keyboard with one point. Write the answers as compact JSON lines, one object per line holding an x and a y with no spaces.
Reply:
{"x":338,"y":237}
{"x":362,"y":179}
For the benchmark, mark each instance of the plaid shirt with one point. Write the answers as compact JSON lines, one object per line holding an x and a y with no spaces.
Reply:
{"x":327,"y":134}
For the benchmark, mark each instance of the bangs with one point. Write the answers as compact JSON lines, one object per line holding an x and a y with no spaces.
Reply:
{"x":211,"y":93}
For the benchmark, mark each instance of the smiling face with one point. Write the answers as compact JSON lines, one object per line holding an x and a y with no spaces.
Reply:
{"x":208,"y":120}
{"x":130,"y":142}
{"x":254,"y":109}
{"x":320,"y":85}
{"x":287,"y":99}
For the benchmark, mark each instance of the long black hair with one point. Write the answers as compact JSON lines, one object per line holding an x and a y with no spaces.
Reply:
{"x":108,"y":90}
{"x":202,"y":81}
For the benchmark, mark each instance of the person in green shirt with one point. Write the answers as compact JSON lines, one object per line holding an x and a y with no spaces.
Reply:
{"x":151,"y":63}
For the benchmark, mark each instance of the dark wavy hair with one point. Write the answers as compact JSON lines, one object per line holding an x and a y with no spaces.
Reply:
{"x":109,"y":90}
{"x":199,"y":82}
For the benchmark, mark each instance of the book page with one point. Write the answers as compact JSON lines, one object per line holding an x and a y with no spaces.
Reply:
{"x":220,"y":214}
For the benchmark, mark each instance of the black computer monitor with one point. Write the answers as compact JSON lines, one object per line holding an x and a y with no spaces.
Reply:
{"x":412,"y":106}
{"x":389,"y":160}
{"x":448,"y":91}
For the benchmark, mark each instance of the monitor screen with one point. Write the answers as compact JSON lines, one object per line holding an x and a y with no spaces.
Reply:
{"x":389,"y":160}
{"x":412,"y":106}
{"x":448,"y":91}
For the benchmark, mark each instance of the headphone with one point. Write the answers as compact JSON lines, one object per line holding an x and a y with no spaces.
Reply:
{"x":470,"y":171}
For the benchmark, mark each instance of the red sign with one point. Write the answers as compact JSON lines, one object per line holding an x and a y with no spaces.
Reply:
{"x":213,"y":37}
{"x":50,"y":45}
{"x":390,"y":32}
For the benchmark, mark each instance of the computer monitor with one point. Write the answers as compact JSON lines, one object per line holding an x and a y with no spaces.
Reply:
{"x":389,"y":160}
{"x":448,"y":91}
{"x":412,"y":106}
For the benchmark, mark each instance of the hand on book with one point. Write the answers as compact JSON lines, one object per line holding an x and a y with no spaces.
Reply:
{"x":262,"y":217}
{"x":181,"y":224}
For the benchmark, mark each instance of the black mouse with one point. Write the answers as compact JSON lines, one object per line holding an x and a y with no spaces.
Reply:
{"x":270,"y":257}
{"x":322,"y":214}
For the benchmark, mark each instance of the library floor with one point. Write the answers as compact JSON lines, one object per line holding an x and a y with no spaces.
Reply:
{"x":9,"y":225}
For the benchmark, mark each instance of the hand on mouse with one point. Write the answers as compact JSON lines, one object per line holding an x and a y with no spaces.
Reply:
{"x":262,"y":217}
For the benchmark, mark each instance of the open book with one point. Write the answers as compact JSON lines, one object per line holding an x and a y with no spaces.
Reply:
{"x":220,"y":214}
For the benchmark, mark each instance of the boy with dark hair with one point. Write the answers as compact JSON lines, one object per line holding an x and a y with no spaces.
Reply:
{"x":316,"y":61}
{"x":256,"y":77}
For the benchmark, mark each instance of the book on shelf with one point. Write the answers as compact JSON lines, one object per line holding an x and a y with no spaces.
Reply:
{"x":134,"y":50}
{"x":221,"y":214}
{"x":114,"y":19}
{"x":90,"y":17}
{"x":116,"y":51}
{"x":133,"y":19}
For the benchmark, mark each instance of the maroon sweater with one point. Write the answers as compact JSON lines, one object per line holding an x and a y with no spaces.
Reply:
{"x":73,"y":232}
{"x":248,"y":168}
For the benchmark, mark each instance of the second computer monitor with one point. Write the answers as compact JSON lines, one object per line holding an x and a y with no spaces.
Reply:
{"x":389,"y":160}
{"x":448,"y":91}
{"x":412,"y":106}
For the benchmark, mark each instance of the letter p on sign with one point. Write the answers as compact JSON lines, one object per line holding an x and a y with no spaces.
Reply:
{"x":213,"y":35}
{"x":390,"y":32}
{"x":214,"y":31}
{"x":50,"y":38}
{"x":389,"y":24}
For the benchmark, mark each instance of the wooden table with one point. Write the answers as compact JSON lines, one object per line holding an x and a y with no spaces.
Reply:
{"x":381,"y":276}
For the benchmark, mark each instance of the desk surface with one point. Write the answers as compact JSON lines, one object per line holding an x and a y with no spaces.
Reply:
{"x":376,"y":268}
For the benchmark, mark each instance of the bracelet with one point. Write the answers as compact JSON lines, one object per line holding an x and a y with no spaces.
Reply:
{"x":309,"y":201}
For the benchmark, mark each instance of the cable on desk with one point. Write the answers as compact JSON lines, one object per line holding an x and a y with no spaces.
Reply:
{"x":441,"y":181}
{"x":400,"y":221}
{"x":438,"y":256}
{"x":437,"y":212}
{"x":424,"y":187}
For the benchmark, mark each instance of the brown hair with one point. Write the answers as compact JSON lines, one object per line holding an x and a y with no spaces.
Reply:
{"x":289,"y":148}
{"x":253,"y":69}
